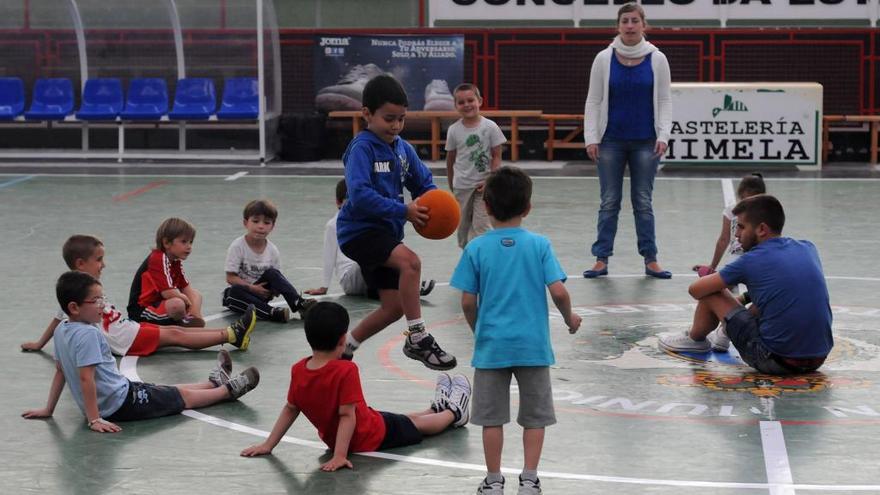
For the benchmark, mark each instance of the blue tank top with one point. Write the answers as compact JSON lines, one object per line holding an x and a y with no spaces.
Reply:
{"x":631,"y":101}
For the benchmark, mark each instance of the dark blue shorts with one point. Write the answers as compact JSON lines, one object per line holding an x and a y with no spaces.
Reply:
{"x":743,"y":328}
{"x":370,"y":250}
{"x":399,"y":431}
{"x":147,"y":401}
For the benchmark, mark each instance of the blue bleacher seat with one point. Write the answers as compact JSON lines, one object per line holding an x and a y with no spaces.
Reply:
{"x":194,"y":99}
{"x":11,"y":98}
{"x":52,"y":100}
{"x":147,"y":99}
{"x":240,"y":99}
{"x":101,"y":99}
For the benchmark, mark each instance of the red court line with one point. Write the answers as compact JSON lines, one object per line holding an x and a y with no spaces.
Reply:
{"x":137,"y":192}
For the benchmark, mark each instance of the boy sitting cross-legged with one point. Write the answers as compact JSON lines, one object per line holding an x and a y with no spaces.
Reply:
{"x":328,"y":391}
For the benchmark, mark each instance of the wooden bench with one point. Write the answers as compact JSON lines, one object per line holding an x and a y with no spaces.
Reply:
{"x":568,"y":141}
{"x":873,"y":129}
{"x":436,"y":119}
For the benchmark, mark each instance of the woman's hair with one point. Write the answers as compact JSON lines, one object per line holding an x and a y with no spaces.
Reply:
{"x":751,"y":185}
{"x":631,"y":7}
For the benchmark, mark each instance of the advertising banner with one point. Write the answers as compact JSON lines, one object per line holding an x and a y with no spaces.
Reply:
{"x":427,"y":66}
{"x":746,"y":124}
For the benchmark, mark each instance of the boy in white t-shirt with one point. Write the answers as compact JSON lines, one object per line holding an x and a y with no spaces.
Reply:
{"x":473,"y":149}
{"x":253,"y":268}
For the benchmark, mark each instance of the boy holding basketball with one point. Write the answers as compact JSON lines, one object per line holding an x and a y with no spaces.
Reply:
{"x":369,"y":228}
{"x":473,"y":149}
{"x":503,"y":275}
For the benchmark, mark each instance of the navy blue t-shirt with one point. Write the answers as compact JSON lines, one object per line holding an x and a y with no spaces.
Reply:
{"x":631,"y":101}
{"x":784,"y":278}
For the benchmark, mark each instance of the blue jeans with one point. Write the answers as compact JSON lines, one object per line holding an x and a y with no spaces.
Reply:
{"x":614,"y":156}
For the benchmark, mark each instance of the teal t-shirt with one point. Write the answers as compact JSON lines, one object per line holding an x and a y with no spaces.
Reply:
{"x":509,"y":270}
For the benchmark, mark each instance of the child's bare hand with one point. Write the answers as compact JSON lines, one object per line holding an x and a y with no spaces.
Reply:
{"x":104,"y":426}
{"x":261,"y":290}
{"x":255,"y":450}
{"x":36,"y":414}
{"x":336,"y":463}
{"x":574,"y":322}
{"x":417,"y":214}
{"x":481,"y":185}
{"x":320,"y":291}
{"x":31,"y":346}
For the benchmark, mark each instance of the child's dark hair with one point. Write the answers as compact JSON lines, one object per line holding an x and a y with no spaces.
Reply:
{"x":325,"y":323}
{"x":751,"y":185}
{"x":262,"y":207}
{"x":468,"y":87}
{"x":507,"y":193}
{"x":341,"y":191}
{"x":73,"y":286}
{"x":79,"y":247}
{"x":171,"y":229}
{"x":381,"y":90}
{"x":762,"y":208}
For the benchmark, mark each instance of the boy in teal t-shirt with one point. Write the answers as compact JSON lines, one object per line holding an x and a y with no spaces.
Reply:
{"x":503,"y":275}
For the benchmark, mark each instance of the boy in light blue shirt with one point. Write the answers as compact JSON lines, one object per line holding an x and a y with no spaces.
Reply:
{"x":83,"y":361}
{"x":503,"y":275}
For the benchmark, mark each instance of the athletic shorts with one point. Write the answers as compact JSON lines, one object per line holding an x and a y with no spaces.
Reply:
{"x":147,"y":401}
{"x":370,"y":250}
{"x":156,"y":314}
{"x":399,"y":431}
{"x":146,"y":342}
{"x":491,"y":400}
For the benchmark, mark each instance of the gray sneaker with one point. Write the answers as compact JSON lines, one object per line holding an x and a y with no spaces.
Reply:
{"x":348,"y":352}
{"x":220,"y":374}
{"x":719,"y":339}
{"x":529,"y":487}
{"x":304,"y":306}
{"x":438,"y":97}
{"x":494,"y":488}
{"x":348,"y":92}
{"x":428,"y":352}
{"x":243,"y":383}
{"x":441,"y":392}
{"x":459,"y":400}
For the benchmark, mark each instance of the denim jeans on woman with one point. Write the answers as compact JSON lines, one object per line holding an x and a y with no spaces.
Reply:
{"x":614,"y":156}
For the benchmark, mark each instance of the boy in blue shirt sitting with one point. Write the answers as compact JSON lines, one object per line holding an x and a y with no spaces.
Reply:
{"x":503,"y":275}
{"x":84,"y":362}
{"x":788,"y":328}
{"x":369,"y":228}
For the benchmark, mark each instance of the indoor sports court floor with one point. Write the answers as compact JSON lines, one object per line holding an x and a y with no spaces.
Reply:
{"x":632,"y":419}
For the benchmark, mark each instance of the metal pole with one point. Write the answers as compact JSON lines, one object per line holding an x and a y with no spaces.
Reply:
{"x":261,"y":80}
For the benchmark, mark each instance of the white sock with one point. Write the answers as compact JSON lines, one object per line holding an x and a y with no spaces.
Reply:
{"x":351,"y":342}
{"x":494,"y":478}
{"x":416,"y":330}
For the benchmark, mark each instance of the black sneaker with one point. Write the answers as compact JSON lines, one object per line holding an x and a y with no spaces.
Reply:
{"x":348,"y":353}
{"x":304,"y":306}
{"x":280,"y":315}
{"x":429,"y":353}
{"x":427,"y":287}
{"x":243,"y":328}
{"x":243,"y":383}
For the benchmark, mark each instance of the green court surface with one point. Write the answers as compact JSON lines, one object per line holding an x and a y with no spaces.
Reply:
{"x":631,"y":419}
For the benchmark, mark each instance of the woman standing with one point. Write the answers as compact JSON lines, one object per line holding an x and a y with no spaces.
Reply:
{"x":628,"y":116}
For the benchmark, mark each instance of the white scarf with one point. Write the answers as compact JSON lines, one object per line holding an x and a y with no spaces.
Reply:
{"x":639,"y":50}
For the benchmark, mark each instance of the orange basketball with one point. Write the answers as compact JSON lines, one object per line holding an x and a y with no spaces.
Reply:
{"x":443,"y":213}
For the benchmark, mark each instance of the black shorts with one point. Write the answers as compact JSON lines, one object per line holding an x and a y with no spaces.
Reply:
{"x":147,"y":401}
{"x":370,"y":250}
{"x":399,"y":431}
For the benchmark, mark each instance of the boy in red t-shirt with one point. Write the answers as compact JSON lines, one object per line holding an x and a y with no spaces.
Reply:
{"x":160,"y":292}
{"x":328,"y":391}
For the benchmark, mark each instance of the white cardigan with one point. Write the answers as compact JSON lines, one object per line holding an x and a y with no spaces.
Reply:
{"x":596,"y":106}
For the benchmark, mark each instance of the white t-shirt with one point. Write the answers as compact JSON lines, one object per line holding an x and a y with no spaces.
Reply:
{"x":249,"y":265}
{"x":335,"y":261}
{"x":735,"y":248}
{"x":473,"y":148}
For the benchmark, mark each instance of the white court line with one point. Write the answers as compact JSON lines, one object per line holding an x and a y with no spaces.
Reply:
{"x":776,"y":459}
{"x":128,"y":367}
{"x":236,"y":176}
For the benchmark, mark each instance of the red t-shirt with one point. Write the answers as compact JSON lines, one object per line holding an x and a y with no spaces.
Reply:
{"x":160,"y":275}
{"x":319,"y":393}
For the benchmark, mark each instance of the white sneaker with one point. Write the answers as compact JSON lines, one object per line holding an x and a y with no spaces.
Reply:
{"x":438,"y":97}
{"x":459,"y":400}
{"x":529,"y":487}
{"x":441,"y":392}
{"x":494,"y":488}
{"x":682,"y":342}
{"x":719,"y":339}
{"x":347,"y":93}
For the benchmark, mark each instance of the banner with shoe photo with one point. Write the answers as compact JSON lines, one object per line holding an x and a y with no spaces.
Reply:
{"x":429,"y":67}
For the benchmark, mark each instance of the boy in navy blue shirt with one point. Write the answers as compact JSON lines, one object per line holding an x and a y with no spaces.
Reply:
{"x":788,"y":328}
{"x":503,"y":275}
{"x":378,"y":166}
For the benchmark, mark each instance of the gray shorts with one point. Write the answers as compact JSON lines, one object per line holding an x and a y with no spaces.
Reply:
{"x":491,"y":398}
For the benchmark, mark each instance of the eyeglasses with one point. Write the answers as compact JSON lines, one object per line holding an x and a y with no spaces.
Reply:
{"x":98,"y":300}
